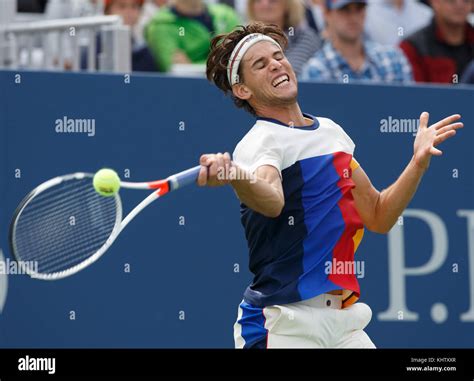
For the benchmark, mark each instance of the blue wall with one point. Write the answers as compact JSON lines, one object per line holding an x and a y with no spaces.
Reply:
{"x":190,"y":268}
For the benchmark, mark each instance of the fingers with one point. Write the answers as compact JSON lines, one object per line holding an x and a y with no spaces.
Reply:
{"x":227,"y":162}
{"x":424,"y":118}
{"x":216,"y":168}
{"x":441,"y":138}
{"x":202,"y":177}
{"x":435,"y":151}
{"x":446,"y":121}
{"x":449,"y":127}
{"x":203,"y":159}
{"x":216,"y":162}
{"x":220,"y":166}
{"x":224,"y":163}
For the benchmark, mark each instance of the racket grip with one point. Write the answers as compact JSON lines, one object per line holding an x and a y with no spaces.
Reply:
{"x":184,"y":178}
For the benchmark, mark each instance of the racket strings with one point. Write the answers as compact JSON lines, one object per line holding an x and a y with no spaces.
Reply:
{"x":64,"y":226}
{"x":68,"y":198}
{"x":37,"y":212}
{"x":101,"y":234}
{"x":46,"y":225}
{"x":83,"y":249}
{"x":62,"y":211}
{"x":62,"y":244}
{"x":52,"y":265}
{"x":59,"y":192}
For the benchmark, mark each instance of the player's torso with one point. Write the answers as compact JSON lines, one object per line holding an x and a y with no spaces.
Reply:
{"x":319,"y":222}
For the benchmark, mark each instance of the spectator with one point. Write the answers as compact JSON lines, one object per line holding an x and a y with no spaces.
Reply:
{"x":347,"y":57}
{"x":181,"y":32}
{"x":389,"y":21}
{"x":150,"y":8}
{"x":289,"y":16}
{"x":315,"y":15}
{"x":468,"y":76}
{"x":129,"y":10}
{"x":441,"y":51}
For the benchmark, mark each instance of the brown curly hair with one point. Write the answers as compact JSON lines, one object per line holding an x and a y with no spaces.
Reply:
{"x":221,"y":49}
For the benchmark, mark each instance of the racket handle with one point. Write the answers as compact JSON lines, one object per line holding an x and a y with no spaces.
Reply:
{"x":184,"y":178}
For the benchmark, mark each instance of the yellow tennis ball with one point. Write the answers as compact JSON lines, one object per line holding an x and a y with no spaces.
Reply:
{"x":106,"y":182}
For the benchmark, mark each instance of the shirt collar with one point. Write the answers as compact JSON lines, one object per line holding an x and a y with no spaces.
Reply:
{"x":313,"y":126}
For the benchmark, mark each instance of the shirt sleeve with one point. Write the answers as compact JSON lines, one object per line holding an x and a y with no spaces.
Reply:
{"x":345,"y":137}
{"x":354,"y":164}
{"x":257,"y":150}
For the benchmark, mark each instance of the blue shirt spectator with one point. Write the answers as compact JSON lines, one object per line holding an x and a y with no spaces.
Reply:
{"x":382,"y":64}
{"x":347,"y":56}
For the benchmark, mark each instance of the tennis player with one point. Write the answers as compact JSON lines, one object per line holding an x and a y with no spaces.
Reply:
{"x":305,"y":200}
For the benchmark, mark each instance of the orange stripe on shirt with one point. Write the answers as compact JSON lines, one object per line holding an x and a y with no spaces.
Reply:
{"x":354,"y":164}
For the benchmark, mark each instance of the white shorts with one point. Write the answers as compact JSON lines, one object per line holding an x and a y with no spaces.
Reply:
{"x":314,"y":323}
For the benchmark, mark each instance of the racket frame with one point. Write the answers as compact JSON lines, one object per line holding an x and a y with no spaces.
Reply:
{"x":80,"y":266}
{"x":160,"y":188}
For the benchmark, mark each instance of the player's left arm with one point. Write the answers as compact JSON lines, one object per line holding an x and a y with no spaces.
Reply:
{"x":380,"y":210}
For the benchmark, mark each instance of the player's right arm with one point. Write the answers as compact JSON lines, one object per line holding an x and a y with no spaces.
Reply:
{"x":264,"y":193}
{"x":261,"y":191}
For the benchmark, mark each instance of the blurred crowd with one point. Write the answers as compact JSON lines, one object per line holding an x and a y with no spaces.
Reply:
{"x":390,"y":41}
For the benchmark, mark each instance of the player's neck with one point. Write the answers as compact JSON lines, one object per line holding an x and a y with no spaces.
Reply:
{"x":290,"y":115}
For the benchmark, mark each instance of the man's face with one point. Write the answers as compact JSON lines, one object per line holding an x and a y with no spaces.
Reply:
{"x":128,"y":9}
{"x":269,"y":11}
{"x":269,"y":79}
{"x":347,"y":23}
{"x":453,"y":12}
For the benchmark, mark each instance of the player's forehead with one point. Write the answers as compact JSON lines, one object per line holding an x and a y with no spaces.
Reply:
{"x":261,"y":49}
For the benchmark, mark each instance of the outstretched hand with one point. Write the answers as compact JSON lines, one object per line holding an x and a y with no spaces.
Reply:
{"x":428,"y":138}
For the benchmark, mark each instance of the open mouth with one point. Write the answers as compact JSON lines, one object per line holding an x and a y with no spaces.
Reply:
{"x":281,"y":80}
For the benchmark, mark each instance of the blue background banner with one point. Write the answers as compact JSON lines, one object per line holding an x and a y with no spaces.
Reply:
{"x":187,"y":253}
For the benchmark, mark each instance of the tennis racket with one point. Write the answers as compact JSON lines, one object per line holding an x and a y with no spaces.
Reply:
{"x":64,"y":225}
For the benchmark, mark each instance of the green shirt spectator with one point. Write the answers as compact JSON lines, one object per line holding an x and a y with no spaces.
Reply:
{"x":180,"y":34}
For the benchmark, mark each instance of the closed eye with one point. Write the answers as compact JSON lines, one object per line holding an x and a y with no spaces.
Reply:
{"x":260,"y":65}
{"x":278,"y":56}
{"x":262,"y":62}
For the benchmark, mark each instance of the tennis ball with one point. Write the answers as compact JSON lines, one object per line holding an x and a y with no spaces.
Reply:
{"x":106,"y":182}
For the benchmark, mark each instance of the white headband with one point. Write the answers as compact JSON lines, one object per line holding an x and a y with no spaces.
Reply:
{"x":240,"y":49}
